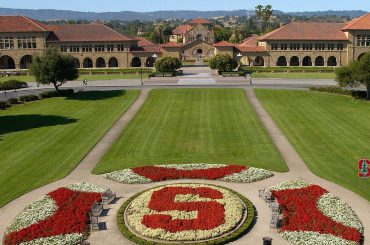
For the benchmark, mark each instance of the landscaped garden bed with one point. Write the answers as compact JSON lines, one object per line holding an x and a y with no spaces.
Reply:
{"x":185,"y":213}
{"x":229,"y":173}
{"x":312,"y":215}
{"x":60,"y":217}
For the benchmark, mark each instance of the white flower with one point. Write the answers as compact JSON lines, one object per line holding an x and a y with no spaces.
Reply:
{"x":86,"y":187}
{"x":248,"y":176}
{"x":338,"y":210}
{"x":314,"y":238}
{"x":293,"y":184}
{"x":127,"y":176}
{"x":68,"y":239}
{"x":33,"y":213}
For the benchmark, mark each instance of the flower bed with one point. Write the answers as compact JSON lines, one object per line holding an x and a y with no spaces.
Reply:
{"x":60,"y":217}
{"x":229,"y":173}
{"x":185,"y":213}
{"x":312,"y":214}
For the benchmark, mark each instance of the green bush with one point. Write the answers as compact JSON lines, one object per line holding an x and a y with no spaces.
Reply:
{"x":12,"y":84}
{"x":168,"y":64}
{"x":48,"y":94}
{"x":223,"y":63}
{"x":287,"y":69}
{"x":3,"y":105}
{"x":28,"y":98}
{"x":338,"y":90}
{"x":242,"y":230}
{"x":13,"y":101}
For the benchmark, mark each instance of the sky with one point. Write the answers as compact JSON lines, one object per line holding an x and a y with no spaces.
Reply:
{"x":154,"y":5}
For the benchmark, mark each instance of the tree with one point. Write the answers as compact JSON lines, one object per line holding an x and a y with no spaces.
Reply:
{"x":237,"y":35}
{"x":54,"y":68}
{"x":267,"y":12}
{"x":223,"y":63}
{"x":168,"y":64}
{"x":357,"y":73}
{"x":259,"y":13}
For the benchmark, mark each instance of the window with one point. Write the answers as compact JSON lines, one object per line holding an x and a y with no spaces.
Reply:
{"x":74,"y":49}
{"x":368,"y":41}
{"x":110,"y":48}
{"x":86,"y":48}
{"x":363,"y":40}
{"x":63,"y":49}
{"x":274,"y":46}
{"x":340,"y":46}
{"x":284,"y":46}
{"x":121,"y":47}
{"x":294,"y":46}
{"x":320,"y":46}
{"x":331,"y":46}
{"x":99,"y":48}
{"x":6,"y":43}
{"x":26,"y":42}
{"x":307,"y":46}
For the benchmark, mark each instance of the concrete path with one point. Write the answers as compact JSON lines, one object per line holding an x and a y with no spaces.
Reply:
{"x":112,"y":235}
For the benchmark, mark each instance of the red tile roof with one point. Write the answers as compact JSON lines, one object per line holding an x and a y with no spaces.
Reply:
{"x":170,"y":45}
{"x":199,"y":21}
{"x":307,"y":31}
{"x":182,"y":29}
{"x":142,"y":42}
{"x":224,"y":44}
{"x":250,"y":48}
{"x":85,"y":33}
{"x":252,"y":40}
{"x":360,"y":23}
{"x":21,"y":24}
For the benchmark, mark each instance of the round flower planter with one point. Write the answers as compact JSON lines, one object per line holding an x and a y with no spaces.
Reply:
{"x":185,"y":213}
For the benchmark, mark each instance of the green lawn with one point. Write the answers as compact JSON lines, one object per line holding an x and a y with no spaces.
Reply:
{"x":43,"y":141}
{"x":81,"y":78}
{"x":330,"y":132}
{"x":295,"y":75}
{"x":194,"y":126}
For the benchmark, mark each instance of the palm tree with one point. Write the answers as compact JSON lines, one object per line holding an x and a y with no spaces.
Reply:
{"x":267,"y":12}
{"x":259,"y":13}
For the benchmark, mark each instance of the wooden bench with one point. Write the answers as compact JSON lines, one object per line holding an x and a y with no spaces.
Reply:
{"x":108,"y":196}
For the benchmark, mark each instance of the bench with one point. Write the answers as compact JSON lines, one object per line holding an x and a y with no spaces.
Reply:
{"x":266,"y":195}
{"x":96,"y":210}
{"x":108,"y":196}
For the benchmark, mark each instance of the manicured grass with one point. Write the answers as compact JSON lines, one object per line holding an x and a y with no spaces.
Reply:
{"x":194,"y":126}
{"x":81,"y":78}
{"x":43,"y":141}
{"x":295,"y":75}
{"x":330,"y":132}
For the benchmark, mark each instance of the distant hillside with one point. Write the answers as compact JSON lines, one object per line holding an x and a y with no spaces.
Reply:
{"x":50,"y":14}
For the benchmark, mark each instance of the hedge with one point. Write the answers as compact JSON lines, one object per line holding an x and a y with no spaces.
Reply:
{"x":12,"y":84}
{"x":241,"y":231}
{"x":287,"y":69}
{"x":358,"y":94}
{"x":28,"y":98}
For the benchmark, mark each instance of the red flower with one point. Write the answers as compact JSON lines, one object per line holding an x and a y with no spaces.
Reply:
{"x":300,"y":213}
{"x":70,"y":217}
{"x":210,"y":214}
{"x":155,"y":173}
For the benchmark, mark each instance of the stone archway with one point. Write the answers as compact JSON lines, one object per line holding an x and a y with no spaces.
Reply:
{"x":113,"y":62}
{"x":307,"y":61}
{"x":77,"y":63}
{"x":294,"y":61}
{"x":319,"y":61}
{"x":100,"y":63}
{"x":7,"y":62}
{"x":136,"y":62}
{"x":332,"y":61}
{"x":88,"y":63}
{"x":360,"y":56}
{"x":25,"y":62}
{"x":282,"y":61}
{"x":259,"y":61}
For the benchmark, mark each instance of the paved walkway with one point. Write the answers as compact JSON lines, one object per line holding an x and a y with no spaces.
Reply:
{"x":112,"y":235}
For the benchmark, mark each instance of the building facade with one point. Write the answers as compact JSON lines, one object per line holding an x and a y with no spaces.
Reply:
{"x":95,"y":45}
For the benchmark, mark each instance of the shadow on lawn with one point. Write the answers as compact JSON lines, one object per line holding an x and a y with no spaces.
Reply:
{"x":16,"y":123}
{"x":96,"y":95}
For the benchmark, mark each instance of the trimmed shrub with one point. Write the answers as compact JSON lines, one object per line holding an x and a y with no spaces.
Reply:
{"x":338,"y":90}
{"x":3,"y":105}
{"x":168,"y":64}
{"x":48,"y":94}
{"x":66,"y":92}
{"x":28,"y":98}
{"x":13,"y":101}
{"x":12,"y":84}
{"x":223,"y":63}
